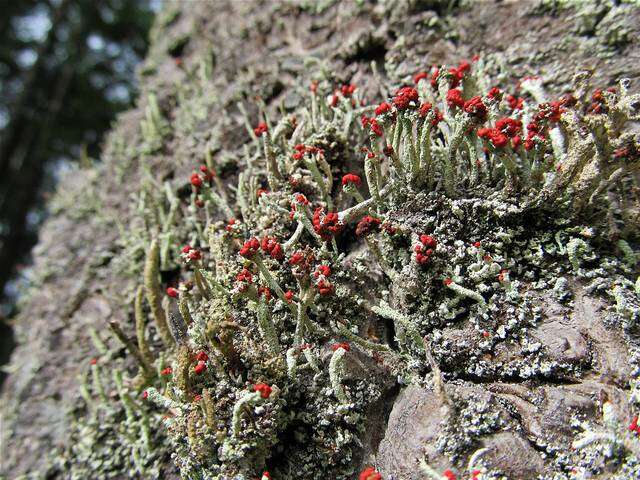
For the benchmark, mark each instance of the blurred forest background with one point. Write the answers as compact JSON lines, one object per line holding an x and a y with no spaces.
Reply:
{"x":67,"y":67}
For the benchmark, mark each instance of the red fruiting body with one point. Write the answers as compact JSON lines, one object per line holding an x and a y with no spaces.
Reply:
{"x":260,"y":129}
{"x":509,"y":126}
{"x":633,"y":426}
{"x":494,"y":92}
{"x":93,"y":361}
{"x":347,"y":90}
{"x":301,"y":199}
{"x":172,"y":292}
{"x":454,"y":98}
{"x":420,"y":76}
{"x":261,"y":191}
{"x":324,"y":270}
{"x":326,"y":225}
{"x":428,"y":241}
{"x":477,"y":244}
{"x":476,"y":108}
{"x":364,"y":121}
{"x":196,"y":181}
{"x":194,"y":254}
{"x":376,"y":127}
{"x":266,"y":475}
{"x":303,"y":261}
{"x":351,"y":179}
{"x":200,"y":368}
{"x":343,"y":345}
{"x":370,"y":473}
{"x":515,"y":103}
{"x":367,"y":225}
{"x":186,"y":249}
{"x":288,"y":295}
{"x":263,"y":388}
{"x":324,"y":287}
{"x":447,"y":281}
{"x":449,"y":475}
{"x":145,"y":395}
{"x":202,"y":356}
{"x":334,"y":100}
{"x":167,"y":371}
{"x":230,"y":224}
{"x":404,"y":97}
{"x":198,"y":202}
{"x":264,"y":292}
{"x":383,"y":108}
{"x":424,"y":109}
{"x":197,"y":397}
{"x":271,"y":246}
{"x":244,"y":276}
{"x":250,"y":248}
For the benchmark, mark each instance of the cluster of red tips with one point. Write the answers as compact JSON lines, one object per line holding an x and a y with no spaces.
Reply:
{"x":250,"y":248}
{"x":367,"y":225}
{"x":166,"y":371}
{"x":373,"y":125}
{"x":271,"y":247}
{"x":494,"y":93}
{"x":424,"y":249}
{"x":505,"y":129}
{"x":288,"y":295}
{"x":326,"y":225}
{"x":200,"y":368}
{"x":347,"y":90}
{"x":302,"y":260}
{"x":447,"y":282}
{"x":260,"y":129}
{"x":344,"y":345}
{"x":264,"y":292}
{"x":263,"y":388}
{"x":196,"y":181}
{"x":477,"y":244}
{"x":351,"y":179}
{"x":244,"y":276}
{"x":449,"y":475}
{"x":457,"y":73}
{"x":474,"y":474}
{"x":454,"y":98}
{"x":229,"y":227}
{"x":424,"y":110}
{"x":383,"y":108}
{"x":633,"y":426}
{"x":202,"y":356}
{"x":145,"y":395}
{"x":324,"y":286}
{"x":476,"y":108}
{"x":173,"y":292}
{"x":191,"y":254}
{"x":534,"y":131}
{"x":301,"y":199}
{"x":261,"y":191}
{"x":302,"y":149}
{"x":598,"y":104}
{"x":515,"y":103}
{"x":420,"y":76}
{"x":93,"y":361}
{"x":370,"y":473}
{"x":323,"y":270}
{"x":266,"y":475}
{"x":404,"y":97}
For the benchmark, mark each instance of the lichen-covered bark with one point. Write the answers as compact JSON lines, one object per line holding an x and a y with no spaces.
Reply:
{"x":89,"y":257}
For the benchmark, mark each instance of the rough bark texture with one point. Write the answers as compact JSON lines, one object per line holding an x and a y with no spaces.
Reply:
{"x":259,"y":49}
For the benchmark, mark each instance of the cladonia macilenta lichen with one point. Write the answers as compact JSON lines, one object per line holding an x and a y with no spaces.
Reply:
{"x":284,"y":305}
